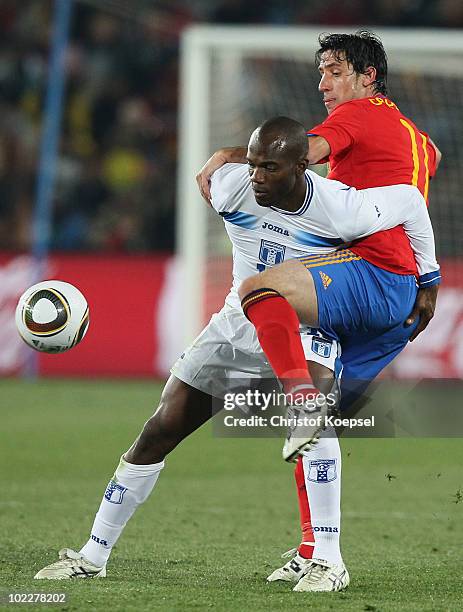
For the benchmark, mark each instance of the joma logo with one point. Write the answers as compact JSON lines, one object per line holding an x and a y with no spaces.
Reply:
{"x":326,"y":529}
{"x":275,"y":228}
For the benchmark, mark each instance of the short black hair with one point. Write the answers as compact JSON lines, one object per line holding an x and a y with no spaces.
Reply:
{"x":362,"y":49}
{"x":291,"y":134}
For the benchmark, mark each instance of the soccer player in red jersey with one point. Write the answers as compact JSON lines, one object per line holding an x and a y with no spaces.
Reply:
{"x":368,"y":143}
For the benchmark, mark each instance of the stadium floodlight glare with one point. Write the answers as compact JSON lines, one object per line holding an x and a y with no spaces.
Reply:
{"x":233,"y":78}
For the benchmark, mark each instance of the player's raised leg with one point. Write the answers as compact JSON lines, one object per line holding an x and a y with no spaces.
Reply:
{"x":181,"y":411}
{"x":276,"y":301}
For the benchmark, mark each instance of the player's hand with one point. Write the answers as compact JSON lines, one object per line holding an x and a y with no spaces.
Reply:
{"x":425,"y":305}
{"x":218,"y":159}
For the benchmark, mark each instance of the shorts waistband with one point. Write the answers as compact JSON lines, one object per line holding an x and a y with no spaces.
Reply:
{"x":341,"y":256}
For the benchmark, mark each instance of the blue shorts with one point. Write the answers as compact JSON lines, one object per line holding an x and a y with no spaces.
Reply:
{"x":364,"y":309}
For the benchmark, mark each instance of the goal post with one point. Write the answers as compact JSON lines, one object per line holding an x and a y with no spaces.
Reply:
{"x":232,"y":78}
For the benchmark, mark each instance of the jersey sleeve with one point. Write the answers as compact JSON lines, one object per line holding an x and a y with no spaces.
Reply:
{"x":419,"y":230}
{"x":342,"y":129}
{"x":383,"y":208}
{"x":229,"y":185}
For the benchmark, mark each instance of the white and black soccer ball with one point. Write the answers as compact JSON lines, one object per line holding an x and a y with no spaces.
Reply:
{"x":52,"y":316}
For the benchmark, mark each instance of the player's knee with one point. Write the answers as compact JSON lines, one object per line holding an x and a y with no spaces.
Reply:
{"x":253,"y":283}
{"x":161,"y":433}
{"x":149,"y":442}
{"x":269,"y":279}
{"x":155,"y":440}
{"x":285,"y":278}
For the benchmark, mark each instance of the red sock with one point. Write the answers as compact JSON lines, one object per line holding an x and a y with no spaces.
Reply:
{"x":277,"y":327}
{"x":307,"y":544}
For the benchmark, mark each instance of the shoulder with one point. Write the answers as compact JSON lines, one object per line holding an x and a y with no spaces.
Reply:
{"x":351,"y":107}
{"x":349,"y":113}
{"x":362,"y":105}
{"x":229,"y":175}
{"x":229,"y":184}
{"x":375,"y":102}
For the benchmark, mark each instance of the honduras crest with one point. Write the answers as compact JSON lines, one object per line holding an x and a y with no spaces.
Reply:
{"x":322,"y":470}
{"x":271,"y":253}
{"x":114,"y":492}
{"x":321,"y":347}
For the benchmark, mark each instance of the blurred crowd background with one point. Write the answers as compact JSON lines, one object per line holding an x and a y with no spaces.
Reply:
{"x":116,"y":178}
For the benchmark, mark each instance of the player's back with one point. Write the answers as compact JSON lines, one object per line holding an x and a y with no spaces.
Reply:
{"x":388,"y":149}
{"x":373,"y":144}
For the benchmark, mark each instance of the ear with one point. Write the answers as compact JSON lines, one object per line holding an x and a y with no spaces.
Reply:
{"x":302,"y":166}
{"x":369,"y":76}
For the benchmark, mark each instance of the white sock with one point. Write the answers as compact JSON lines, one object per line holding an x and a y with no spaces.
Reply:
{"x":129,"y":487}
{"x":322,"y":471}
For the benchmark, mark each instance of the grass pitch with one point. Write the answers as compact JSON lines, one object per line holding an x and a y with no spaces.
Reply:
{"x":222,"y":513}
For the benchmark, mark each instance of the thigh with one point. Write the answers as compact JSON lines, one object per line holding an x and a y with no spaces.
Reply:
{"x":355,"y":297}
{"x":364,"y":356}
{"x":182,"y":408}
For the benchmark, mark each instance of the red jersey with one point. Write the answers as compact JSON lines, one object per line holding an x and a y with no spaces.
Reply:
{"x":373,"y":145}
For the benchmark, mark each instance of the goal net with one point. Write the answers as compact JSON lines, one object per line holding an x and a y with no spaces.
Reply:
{"x":233,"y":78}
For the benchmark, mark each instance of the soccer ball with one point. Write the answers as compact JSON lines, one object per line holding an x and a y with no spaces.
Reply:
{"x":52,"y":316}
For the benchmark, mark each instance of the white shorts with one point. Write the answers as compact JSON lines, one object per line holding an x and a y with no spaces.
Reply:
{"x":228,"y":350}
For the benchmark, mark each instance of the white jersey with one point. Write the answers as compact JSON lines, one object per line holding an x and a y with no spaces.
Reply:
{"x":331,"y":216}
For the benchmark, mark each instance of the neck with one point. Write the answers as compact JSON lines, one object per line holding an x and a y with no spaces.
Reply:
{"x":296,"y":198}
{"x":370,"y":93}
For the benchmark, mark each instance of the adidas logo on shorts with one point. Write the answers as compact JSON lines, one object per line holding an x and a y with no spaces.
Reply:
{"x":326,"y":280}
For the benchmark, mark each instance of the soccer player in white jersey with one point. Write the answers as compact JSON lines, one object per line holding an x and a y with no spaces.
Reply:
{"x":296,"y":220}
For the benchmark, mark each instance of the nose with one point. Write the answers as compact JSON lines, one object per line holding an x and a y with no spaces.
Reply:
{"x":257,"y":175}
{"x":324,"y":84}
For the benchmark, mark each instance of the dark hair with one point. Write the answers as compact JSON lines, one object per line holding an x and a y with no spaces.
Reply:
{"x":291,"y":134}
{"x":362,"y":49}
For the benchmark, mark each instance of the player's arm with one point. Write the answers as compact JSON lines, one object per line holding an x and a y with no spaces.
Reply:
{"x":426,"y":299}
{"x":437,"y":152}
{"x":382,"y":208}
{"x":421,"y":236}
{"x":417,"y":226}
{"x":423,"y":309}
{"x":319,"y":149}
{"x":410,"y":211}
